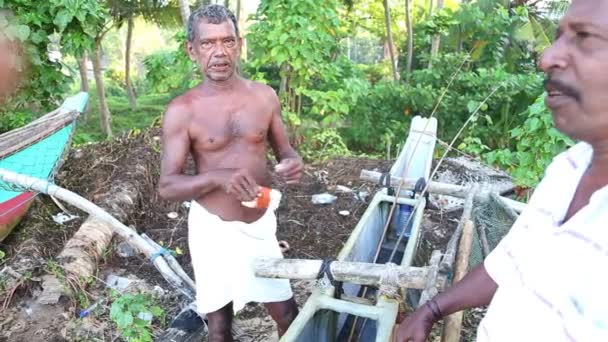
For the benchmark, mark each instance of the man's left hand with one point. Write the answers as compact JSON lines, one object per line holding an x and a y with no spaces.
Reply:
{"x":290,"y":169}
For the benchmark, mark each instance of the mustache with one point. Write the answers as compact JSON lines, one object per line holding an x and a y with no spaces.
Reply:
{"x":562,"y":87}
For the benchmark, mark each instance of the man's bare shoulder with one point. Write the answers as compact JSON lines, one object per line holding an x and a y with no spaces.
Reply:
{"x":181,"y":106}
{"x":262,"y":90}
{"x":179,"y":111}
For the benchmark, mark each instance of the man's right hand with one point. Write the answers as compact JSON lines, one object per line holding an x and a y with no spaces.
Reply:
{"x":240,"y":184}
{"x":416,"y":327}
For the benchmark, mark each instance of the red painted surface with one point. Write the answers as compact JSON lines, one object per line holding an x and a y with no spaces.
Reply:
{"x":12,"y":211}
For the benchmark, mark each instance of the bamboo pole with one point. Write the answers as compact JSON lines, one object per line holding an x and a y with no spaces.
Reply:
{"x":440,"y":188}
{"x":171,"y":261}
{"x":430,"y":288}
{"x":483,"y":241}
{"x":129,"y":235}
{"x":447,"y":263}
{"x":452,"y":324}
{"x":351,"y":272}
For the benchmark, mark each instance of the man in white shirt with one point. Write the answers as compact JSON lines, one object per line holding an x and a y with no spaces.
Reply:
{"x":547,"y":279}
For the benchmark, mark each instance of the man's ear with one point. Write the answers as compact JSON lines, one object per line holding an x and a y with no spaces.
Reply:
{"x":190,"y":50}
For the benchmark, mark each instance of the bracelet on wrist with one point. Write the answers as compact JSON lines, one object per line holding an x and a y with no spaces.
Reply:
{"x":434,"y":307}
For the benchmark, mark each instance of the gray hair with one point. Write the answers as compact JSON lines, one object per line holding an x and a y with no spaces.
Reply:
{"x":212,"y":14}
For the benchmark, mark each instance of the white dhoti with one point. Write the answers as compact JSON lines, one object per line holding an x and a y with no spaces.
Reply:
{"x":222,"y":253}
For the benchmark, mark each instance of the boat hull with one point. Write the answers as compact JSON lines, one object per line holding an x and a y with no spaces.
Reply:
{"x":38,"y":153}
{"x":12,"y":211}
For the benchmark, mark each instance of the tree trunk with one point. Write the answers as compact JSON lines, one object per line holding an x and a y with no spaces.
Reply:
{"x":84,"y":79}
{"x":104,"y":112}
{"x":410,"y":41}
{"x":128,"y":84}
{"x":436,"y":39}
{"x":238,"y":11}
{"x":391,"y":45}
{"x":283,"y":85}
{"x":184,"y":10}
{"x":227,"y":3}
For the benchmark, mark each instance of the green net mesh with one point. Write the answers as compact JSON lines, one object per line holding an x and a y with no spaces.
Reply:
{"x":495,"y":221}
{"x":35,"y":150}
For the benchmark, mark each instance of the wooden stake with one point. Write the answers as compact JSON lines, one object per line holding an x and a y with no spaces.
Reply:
{"x":430,"y":288}
{"x":447,"y":263}
{"x":452,"y":324}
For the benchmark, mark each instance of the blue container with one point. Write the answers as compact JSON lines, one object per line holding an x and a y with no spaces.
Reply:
{"x":401,"y":215}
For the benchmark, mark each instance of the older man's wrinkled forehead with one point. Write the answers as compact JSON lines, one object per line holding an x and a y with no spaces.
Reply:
{"x":209,"y":30}
{"x":592,"y":14}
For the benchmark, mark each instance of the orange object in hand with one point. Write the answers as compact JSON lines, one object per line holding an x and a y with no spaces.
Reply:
{"x":263,"y":199}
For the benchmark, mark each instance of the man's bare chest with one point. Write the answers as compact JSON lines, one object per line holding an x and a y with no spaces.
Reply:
{"x":215,"y":129}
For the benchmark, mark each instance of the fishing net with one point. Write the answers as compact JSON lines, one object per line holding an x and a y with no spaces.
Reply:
{"x":492,"y":222}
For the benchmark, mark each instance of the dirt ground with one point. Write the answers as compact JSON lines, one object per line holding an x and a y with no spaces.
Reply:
{"x":313,"y":231}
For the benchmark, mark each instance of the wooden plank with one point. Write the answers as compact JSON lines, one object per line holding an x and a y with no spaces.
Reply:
{"x":447,"y":263}
{"x":351,"y":272}
{"x":17,"y":143}
{"x":430,"y":288}
{"x":452,"y":324}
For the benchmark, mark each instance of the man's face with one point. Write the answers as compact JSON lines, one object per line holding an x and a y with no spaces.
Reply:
{"x":576,"y":66}
{"x":216,"y":49}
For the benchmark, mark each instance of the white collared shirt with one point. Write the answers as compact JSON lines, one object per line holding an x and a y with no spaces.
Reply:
{"x":552,"y":276}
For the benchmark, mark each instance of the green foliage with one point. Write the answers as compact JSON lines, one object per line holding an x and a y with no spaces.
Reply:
{"x":324,"y":144}
{"x":150,"y":107}
{"x":126,"y":312}
{"x":384,"y":111}
{"x":378,"y":118}
{"x":301,"y":33}
{"x":470,"y":86}
{"x":14,"y":120}
{"x":161,"y":12}
{"x":538,"y":142}
{"x":171,"y":71}
{"x":300,"y":37}
{"x":42,"y":26}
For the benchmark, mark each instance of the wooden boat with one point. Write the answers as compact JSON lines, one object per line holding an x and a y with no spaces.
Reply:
{"x":325,"y":318}
{"x":36,"y":150}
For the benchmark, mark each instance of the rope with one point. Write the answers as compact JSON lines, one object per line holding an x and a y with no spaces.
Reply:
{"x":389,"y":280}
{"x":162,"y":251}
{"x":325,"y":271}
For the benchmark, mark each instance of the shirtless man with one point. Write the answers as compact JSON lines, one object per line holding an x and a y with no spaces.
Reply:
{"x":225,"y":123}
